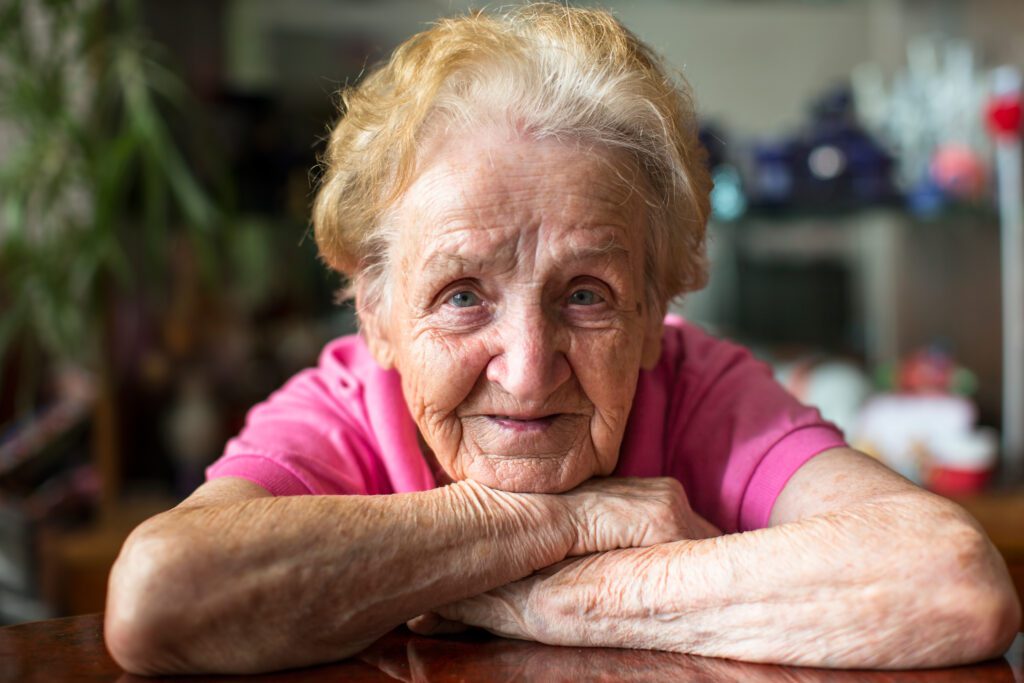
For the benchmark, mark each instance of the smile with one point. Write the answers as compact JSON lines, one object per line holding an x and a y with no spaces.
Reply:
{"x":524,"y":424}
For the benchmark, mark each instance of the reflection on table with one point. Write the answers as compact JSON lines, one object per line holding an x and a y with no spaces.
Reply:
{"x":72,"y":649}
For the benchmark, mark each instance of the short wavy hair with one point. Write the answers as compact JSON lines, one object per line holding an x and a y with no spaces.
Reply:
{"x":552,"y":72}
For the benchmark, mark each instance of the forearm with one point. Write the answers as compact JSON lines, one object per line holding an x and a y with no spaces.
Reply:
{"x":270,"y":583}
{"x":822,"y":591}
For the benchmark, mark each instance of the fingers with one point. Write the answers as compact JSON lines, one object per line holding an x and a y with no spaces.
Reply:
{"x":612,"y":512}
{"x":433,"y":624}
{"x":502,"y":611}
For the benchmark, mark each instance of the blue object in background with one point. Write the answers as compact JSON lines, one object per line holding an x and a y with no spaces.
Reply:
{"x":727,"y":199}
{"x":831,"y":164}
{"x":772,"y":177}
{"x":925,"y":199}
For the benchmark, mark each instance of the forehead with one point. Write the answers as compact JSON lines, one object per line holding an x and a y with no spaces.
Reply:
{"x":491,"y":192}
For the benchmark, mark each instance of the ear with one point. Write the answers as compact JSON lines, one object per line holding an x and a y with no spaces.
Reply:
{"x":375,"y":330}
{"x":653,"y":329}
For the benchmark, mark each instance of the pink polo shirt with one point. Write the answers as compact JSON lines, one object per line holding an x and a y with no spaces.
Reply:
{"x":709,"y":415}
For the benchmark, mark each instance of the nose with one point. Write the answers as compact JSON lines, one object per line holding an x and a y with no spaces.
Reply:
{"x":531,"y":362}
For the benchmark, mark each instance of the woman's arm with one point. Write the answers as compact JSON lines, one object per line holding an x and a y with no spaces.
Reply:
{"x":234,"y":580}
{"x":862,"y":570}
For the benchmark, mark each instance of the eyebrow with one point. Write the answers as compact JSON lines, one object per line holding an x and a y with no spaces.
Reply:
{"x":445,"y":261}
{"x":611,"y":248}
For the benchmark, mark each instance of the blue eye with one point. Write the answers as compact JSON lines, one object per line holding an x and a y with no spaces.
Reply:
{"x":584,"y":297}
{"x":464,"y":299}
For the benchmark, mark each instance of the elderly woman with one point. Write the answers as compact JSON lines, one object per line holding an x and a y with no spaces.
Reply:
{"x":519,"y":439}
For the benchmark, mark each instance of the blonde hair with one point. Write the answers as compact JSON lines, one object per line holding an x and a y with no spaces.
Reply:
{"x":550,"y":71}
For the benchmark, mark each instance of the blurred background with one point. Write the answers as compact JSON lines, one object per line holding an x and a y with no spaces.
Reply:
{"x":158,"y":277}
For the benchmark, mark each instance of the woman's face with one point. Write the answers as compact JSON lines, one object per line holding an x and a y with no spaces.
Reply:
{"x":518,"y":321}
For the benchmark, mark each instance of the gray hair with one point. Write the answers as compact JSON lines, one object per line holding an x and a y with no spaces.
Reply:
{"x":550,"y":71}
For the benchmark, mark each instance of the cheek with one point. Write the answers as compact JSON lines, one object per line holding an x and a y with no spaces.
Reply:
{"x":604,"y":362}
{"x":438,"y":372}
{"x":607,"y":366}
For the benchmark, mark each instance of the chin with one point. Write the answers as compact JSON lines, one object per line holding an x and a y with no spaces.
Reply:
{"x":528,"y":474}
{"x":552,"y":454}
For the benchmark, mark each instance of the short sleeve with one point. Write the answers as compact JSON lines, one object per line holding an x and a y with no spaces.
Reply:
{"x":302,"y":440}
{"x":735,"y":436}
{"x":339,"y":428}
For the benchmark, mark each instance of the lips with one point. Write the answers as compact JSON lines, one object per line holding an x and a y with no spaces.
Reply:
{"x":523,"y":418}
{"x":525,"y":422}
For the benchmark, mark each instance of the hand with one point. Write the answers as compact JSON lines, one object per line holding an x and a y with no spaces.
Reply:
{"x":603,"y":514}
{"x":524,"y":610}
{"x":631,"y":512}
{"x":568,"y":603}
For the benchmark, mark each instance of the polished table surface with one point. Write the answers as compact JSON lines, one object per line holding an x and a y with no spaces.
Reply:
{"x":72,"y":649}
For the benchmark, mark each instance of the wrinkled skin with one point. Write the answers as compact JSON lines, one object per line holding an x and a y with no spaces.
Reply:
{"x":518,"y":321}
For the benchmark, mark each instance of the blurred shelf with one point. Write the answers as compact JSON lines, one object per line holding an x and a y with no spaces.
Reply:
{"x":874,"y":285}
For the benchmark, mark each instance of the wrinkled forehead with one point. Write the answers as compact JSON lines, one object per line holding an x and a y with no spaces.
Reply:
{"x":492,"y":192}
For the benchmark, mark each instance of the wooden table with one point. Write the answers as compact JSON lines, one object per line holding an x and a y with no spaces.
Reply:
{"x":72,"y":649}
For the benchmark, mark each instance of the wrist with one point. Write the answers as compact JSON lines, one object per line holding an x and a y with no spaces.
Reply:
{"x":529,"y":527}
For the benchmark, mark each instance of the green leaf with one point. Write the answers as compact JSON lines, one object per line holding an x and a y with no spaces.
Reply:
{"x":87,"y":105}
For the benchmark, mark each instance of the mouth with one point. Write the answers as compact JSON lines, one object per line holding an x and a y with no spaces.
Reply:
{"x":524,"y":423}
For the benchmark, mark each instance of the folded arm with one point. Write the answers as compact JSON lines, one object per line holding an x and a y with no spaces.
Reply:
{"x":860,"y":569}
{"x":235,"y":580}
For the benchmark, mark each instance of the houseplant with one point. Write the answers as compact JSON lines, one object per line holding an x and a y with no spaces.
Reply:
{"x":92,"y":190}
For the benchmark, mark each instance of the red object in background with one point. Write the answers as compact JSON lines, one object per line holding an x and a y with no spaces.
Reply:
{"x":959,"y":171}
{"x":1003,"y":114}
{"x":926,"y":371}
{"x":950,"y":481}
